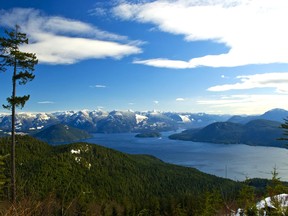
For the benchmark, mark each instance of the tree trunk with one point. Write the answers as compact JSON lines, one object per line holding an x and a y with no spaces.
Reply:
{"x":13,"y":140}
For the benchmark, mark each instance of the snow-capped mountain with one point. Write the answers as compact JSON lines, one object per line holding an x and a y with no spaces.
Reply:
{"x":99,"y":121}
{"x":110,"y":122}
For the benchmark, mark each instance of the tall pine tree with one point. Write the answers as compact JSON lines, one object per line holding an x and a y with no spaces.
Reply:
{"x":22,"y":65}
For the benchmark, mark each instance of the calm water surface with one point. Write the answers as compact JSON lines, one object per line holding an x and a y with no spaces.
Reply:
{"x":236,"y":162}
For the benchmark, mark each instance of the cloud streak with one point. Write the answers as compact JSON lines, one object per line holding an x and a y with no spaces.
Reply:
{"x":58,"y":40}
{"x":98,"y":86}
{"x":278,"y":81}
{"x":252,"y":29}
{"x":45,"y":102}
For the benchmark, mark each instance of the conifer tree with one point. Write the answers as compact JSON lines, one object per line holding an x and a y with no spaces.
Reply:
{"x":284,"y":126}
{"x":3,"y":178}
{"x":22,"y":65}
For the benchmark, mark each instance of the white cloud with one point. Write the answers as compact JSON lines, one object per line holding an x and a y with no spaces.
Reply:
{"x":278,"y":81}
{"x":180,"y":99}
{"x":45,"y":102}
{"x":156,"y":102}
{"x":98,"y":86}
{"x":165,"y":63}
{"x":58,"y":40}
{"x":254,"y":30}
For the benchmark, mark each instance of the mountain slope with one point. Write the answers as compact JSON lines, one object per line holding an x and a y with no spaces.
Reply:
{"x":60,"y":133}
{"x":264,"y":133}
{"x":275,"y":115}
{"x":96,"y":176}
{"x":256,"y":132}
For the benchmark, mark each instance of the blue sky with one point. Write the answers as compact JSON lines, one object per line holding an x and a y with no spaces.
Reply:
{"x":223,"y":57}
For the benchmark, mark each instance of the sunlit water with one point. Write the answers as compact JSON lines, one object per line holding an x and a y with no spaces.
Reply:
{"x":236,"y":162}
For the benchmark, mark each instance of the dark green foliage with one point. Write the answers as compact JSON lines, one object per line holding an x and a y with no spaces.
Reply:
{"x":284,"y":127}
{"x":3,"y":177}
{"x":88,"y":176}
{"x":61,"y":133}
{"x":247,"y":199}
{"x":275,"y":186}
{"x":256,"y":132}
{"x":213,"y":203}
{"x":22,"y":63}
{"x":148,"y":134}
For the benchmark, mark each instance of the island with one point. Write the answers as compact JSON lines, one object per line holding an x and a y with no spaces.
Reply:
{"x":151,"y":134}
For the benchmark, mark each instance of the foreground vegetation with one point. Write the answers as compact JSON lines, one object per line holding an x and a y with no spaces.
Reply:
{"x":86,"y":179}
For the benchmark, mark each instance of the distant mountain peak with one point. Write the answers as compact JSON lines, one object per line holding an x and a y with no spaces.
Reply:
{"x":276,"y":114}
{"x":277,"y":110}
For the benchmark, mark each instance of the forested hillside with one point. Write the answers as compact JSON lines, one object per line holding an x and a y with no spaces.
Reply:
{"x":256,"y":132}
{"x":60,"y":133}
{"x":83,"y":178}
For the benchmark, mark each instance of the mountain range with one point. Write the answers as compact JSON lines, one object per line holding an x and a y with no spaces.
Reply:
{"x":110,"y":122}
{"x":99,"y":121}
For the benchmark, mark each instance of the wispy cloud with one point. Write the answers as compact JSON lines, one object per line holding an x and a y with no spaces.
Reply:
{"x":278,"y":81}
{"x":164,"y":63}
{"x":252,"y":29}
{"x":244,"y":104}
{"x":180,"y":99}
{"x":58,"y":40}
{"x":156,"y":102}
{"x":45,"y":102}
{"x":98,"y":11}
{"x":98,"y":86}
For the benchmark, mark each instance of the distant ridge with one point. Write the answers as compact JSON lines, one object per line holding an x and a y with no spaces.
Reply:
{"x":273,"y":115}
{"x":258,"y":132}
{"x":61,"y":133}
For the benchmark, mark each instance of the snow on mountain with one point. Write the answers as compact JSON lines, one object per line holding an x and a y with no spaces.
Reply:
{"x":117,"y":113}
{"x":43,"y":116}
{"x":185,"y":118}
{"x":115,"y":121}
{"x":140,"y":118}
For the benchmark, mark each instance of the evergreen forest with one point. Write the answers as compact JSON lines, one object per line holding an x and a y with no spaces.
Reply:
{"x":87,"y":179}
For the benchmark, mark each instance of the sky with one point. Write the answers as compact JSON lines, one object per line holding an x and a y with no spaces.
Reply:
{"x":212,"y":56}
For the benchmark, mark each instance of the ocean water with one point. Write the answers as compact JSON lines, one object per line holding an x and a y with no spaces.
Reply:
{"x":234,"y":161}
